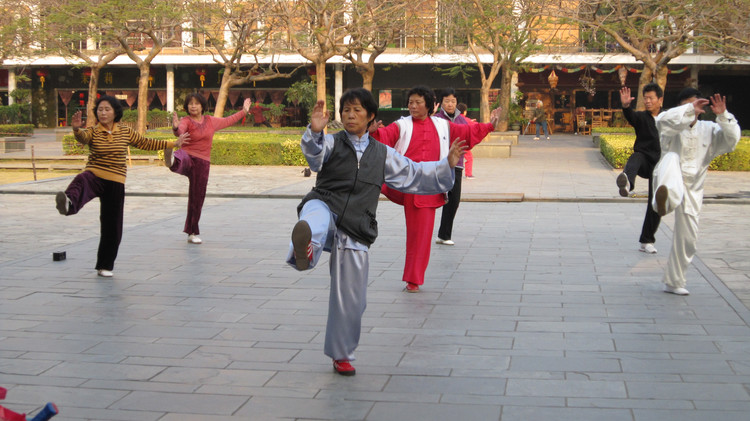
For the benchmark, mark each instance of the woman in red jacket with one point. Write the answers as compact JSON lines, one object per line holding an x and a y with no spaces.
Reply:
{"x":421,"y":137}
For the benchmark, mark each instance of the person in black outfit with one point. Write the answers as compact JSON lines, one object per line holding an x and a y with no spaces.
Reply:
{"x":646,"y":153}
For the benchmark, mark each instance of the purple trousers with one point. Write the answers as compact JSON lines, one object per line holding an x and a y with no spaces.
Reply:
{"x":86,"y":186}
{"x":196,"y":170}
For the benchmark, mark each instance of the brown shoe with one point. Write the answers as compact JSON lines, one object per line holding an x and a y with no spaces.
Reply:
{"x":662,"y":193}
{"x":303,"y":250}
{"x":168,"y":157}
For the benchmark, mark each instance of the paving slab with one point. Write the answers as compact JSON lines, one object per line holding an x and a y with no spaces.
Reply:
{"x":544,"y":308}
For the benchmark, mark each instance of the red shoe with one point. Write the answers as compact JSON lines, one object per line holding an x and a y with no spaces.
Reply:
{"x":410,"y":287}
{"x":343,"y":367}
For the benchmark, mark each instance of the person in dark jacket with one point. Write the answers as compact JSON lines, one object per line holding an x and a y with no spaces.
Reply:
{"x":338,"y":215}
{"x":646,"y":153}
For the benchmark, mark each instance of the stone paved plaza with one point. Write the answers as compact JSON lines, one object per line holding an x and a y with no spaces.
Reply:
{"x":544,"y":309}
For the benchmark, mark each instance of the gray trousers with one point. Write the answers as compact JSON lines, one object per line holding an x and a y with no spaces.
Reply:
{"x":349,"y":267}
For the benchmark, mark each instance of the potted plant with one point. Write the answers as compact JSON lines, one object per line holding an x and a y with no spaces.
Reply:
{"x":515,"y":112}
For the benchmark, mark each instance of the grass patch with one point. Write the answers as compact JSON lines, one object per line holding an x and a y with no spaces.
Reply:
{"x":616,"y":149}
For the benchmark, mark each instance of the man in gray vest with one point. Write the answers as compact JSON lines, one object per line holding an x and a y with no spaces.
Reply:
{"x":339,"y":214}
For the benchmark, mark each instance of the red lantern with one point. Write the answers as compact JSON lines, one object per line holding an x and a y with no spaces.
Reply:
{"x":201,"y":72}
{"x":42,"y":76}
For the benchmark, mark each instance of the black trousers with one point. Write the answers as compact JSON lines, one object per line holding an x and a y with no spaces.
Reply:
{"x":450,"y":208}
{"x":638,"y":164}
{"x":86,"y":186}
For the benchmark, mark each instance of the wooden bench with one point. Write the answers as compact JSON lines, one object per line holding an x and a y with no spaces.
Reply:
{"x":13,"y":144}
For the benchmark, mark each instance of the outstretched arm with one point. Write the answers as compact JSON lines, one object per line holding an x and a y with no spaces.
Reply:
{"x":427,"y":177}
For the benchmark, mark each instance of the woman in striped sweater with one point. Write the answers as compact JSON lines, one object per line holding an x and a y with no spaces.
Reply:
{"x":104,"y":175}
{"x":194,"y":160}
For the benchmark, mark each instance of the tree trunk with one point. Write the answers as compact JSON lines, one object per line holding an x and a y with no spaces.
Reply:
{"x":645,"y":79}
{"x":221,"y":101}
{"x":367,"y":77}
{"x":93,"y":87}
{"x":143,"y":98}
{"x":320,"y":81}
{"x":505,"y":88}
{"x":484,"y":101}
{"x":661,"y":77}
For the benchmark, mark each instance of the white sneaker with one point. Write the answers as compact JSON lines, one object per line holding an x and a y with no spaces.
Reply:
{"x":536,"y":137}
{"x":105,"y":273}
{"x":62,"y":202}
{"x":624,"y":184}
{"x":194,"y":239}
{"x":648,"y":248}
{"x":676,"y":291}
{"x":445,"y":242}
{"x":547,"y":137}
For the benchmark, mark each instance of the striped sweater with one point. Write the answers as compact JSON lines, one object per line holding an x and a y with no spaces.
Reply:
{"x":108,"y":150}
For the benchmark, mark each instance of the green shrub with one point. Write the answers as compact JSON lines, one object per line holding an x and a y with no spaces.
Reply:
{"x":16,"y":129}
{"x":627,"y":129}
{"x":277,"y":147}
{"x":616,"y":149}
{"x":291,"y":153}
{"x":14,"y":114}
{"x":739,"y":160}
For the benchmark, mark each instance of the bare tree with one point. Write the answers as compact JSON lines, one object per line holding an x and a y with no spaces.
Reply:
{"x":143,"y":28}
{"x":245,"y":31}
{"x":729,"y":32}
{"x":316,"y":30}
{"x":505,"y":29}
{"x":654,"y":31}
{"x":371,"y":26}
{"x":15,"y":28}
{"x":71,"y":28}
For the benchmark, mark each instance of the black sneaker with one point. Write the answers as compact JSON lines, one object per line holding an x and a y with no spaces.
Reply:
{"x":62,"y":202}
{"x":303,"y":250}
{"x":624,"y":184}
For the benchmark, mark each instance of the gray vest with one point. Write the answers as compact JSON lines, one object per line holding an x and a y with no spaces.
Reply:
{"x":351,"y":189}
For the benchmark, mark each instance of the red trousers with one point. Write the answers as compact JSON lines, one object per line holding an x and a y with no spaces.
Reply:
{"x":420,"y":223}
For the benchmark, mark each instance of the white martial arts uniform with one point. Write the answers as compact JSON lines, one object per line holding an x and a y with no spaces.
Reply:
{"x":349,"y":263}
{"x":686,"y":153}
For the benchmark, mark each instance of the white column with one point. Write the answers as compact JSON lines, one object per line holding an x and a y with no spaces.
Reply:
{"x":339,"y":89}
{"x":170,"y":87}
{"x":11,"y":85}
{"x":694,"y":74}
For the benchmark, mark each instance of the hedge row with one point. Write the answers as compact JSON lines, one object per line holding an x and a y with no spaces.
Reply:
{"x":616,"y":149}
{"x":16,"y":129}
{"x":625,"y":129}
{"x":228,"y":148}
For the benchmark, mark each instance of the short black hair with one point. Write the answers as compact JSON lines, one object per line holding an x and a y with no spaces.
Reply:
{"x":444,"y":93}
{"x":114,"y":102}
{"x":198,"y":97}
{"x":365,"y":99}
{"x":461,"y":107}
{"x":688,"y":93}
{"x":653,"y":87}
{"x":424,"y":92}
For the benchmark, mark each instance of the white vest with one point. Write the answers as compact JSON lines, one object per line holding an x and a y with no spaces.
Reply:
{"x":406,"y":126}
